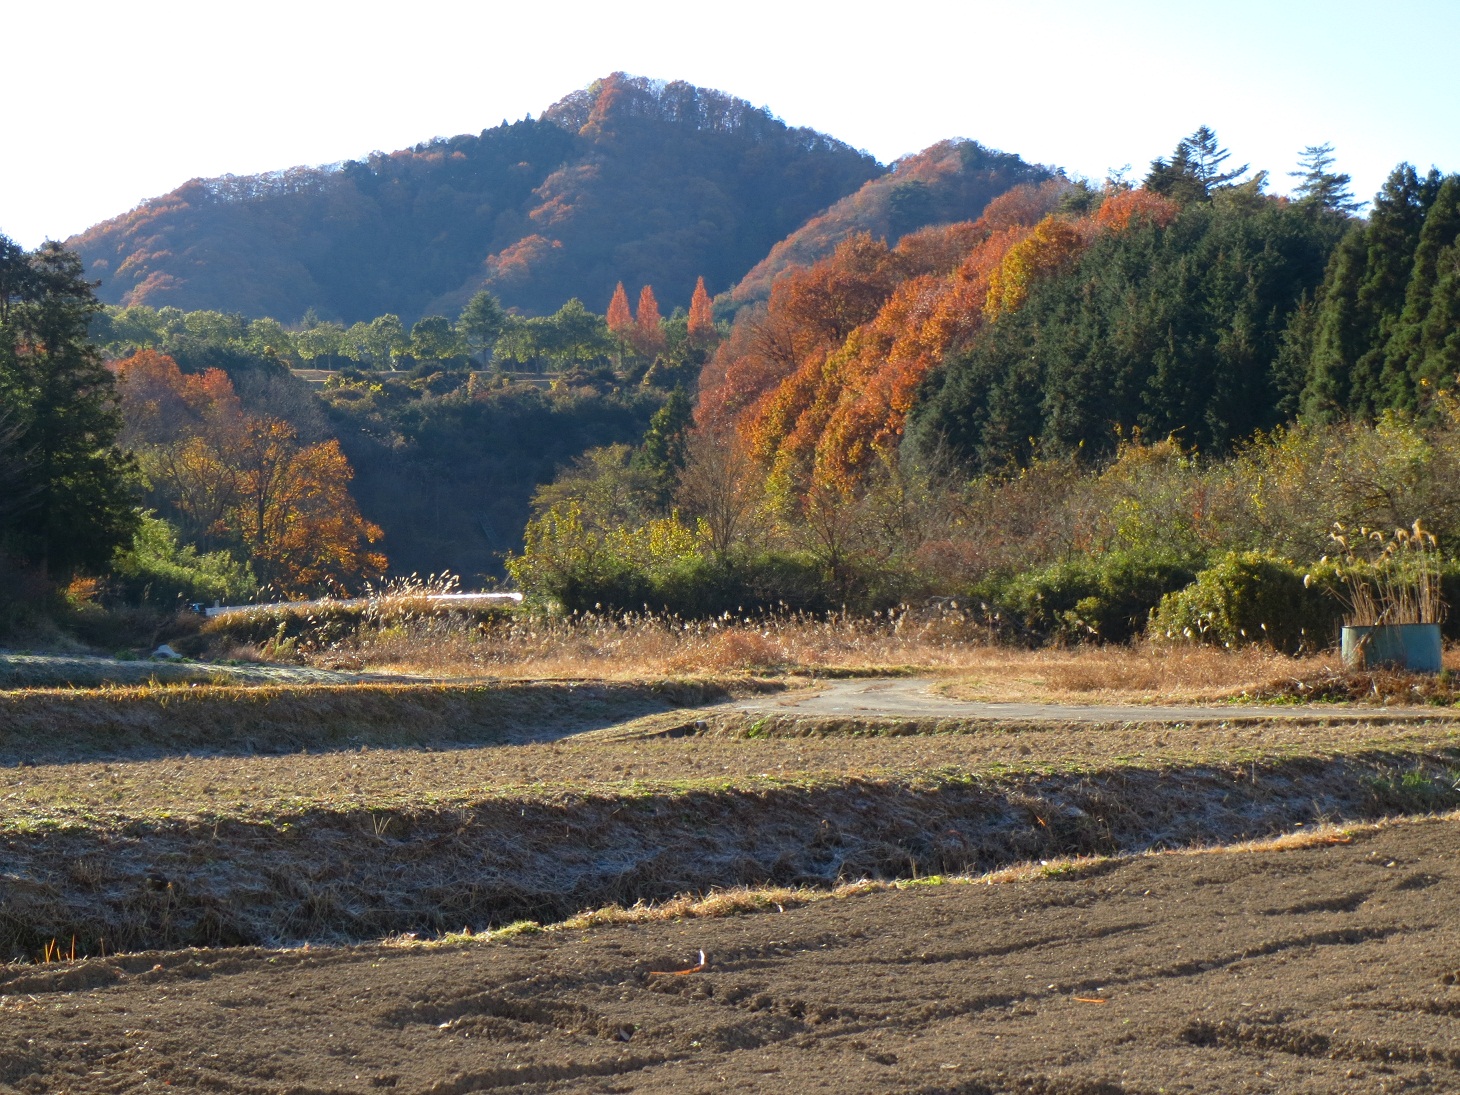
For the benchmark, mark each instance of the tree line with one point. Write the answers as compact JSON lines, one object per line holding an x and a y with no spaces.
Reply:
{"x":483,"y":335}
{"x":1070,"y":402}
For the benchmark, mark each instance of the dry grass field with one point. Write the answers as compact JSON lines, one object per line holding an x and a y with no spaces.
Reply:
{"x":942,"y":643}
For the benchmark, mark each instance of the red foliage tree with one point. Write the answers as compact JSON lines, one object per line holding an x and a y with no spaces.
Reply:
{"x":620,"y":319}
{"x":701,"y":314}
{"x":648,"y":337}
{"x":160,"y":401}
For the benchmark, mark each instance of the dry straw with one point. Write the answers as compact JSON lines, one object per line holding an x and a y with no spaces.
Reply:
{"x":1391,"y":579}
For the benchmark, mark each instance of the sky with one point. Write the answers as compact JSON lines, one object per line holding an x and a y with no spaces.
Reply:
{"x":115,"y":102}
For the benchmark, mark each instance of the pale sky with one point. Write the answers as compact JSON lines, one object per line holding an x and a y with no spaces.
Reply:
{"x":114,"y":102}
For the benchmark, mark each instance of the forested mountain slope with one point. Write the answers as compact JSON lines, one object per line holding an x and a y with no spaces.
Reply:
{"x":629,"y":179}
{"x":947,"y":182}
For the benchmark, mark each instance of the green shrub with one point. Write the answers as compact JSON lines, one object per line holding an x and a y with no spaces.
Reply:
{"x":1252,"y":598}
{"x":156,"y":569}
{"x":1103,"y":598}
{"x":703,"y":586}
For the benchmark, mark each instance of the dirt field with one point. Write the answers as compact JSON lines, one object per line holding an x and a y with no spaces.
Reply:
{"x":312,"y":817}
{"x":1322,"y":969}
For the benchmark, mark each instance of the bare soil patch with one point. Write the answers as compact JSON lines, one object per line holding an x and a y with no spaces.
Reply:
{"x":1323,"y":969}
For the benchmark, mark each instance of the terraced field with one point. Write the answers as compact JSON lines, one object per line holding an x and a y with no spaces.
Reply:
{"x":440,"y":849}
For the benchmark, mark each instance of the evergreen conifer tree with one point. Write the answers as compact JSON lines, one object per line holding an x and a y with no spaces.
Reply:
{"x":1319,"y":187}
{"x":1194,"y":170}
{"x":77,"y":503}
{"x":662,"y":452}
{"x":1406,"y":356}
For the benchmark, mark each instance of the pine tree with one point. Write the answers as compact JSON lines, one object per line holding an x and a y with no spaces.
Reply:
{"x":1319,"y":187}
{"x":701,"y":315}
{"x":1194,"y":170}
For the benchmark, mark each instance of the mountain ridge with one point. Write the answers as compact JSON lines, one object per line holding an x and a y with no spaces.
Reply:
{"x":629,"y":179}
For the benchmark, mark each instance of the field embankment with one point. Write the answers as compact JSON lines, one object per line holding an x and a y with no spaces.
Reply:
{"x":349,"y":843}
{"x":1327,"y":968}
{"x":56,"y":724}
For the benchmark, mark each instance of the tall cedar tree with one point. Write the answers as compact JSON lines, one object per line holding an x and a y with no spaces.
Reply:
{"x":57,"y":396}
{"x":1363,"y":297}
{"x":648,"y":337}
{"x":701,"y":314}
{"x":1416,"y":357}
{"x":662,"y":452}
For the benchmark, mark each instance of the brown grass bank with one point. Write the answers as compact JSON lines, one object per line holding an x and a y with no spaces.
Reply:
{"x":338,"y":869}
{"x":58,"y":723}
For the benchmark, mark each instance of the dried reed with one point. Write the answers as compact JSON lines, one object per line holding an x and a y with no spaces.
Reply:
{"x":1389,"y":579}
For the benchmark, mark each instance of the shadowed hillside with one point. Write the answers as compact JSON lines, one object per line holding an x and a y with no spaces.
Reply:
{"x":946,"y":182}
{"x":629,"y":179}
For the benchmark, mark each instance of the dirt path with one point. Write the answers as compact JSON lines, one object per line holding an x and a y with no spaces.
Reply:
{"x":915,"y":697}
{"x":1325,"y":969}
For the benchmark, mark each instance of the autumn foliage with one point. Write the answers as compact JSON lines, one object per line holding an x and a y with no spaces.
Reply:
{"x":647,"y":336}
{"x":701,"y":314}
{"x":619,"y":318}
{"x":244,"y":482}
{"x":820,"y":379}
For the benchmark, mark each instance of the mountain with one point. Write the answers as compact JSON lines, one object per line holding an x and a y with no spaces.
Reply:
{"x":947,"y":182}
{"x":629,"y":179}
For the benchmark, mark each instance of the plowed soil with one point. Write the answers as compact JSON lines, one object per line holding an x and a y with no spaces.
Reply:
{"x":1323,"y":969}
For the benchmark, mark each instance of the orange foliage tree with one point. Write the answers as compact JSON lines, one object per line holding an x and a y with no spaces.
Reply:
{"x":1124,"y":208}
{"x":620,"y":320}
{"x":293,"y":511}
{"x":701,"y":314}
{"x":811,"y":311}
{"x":820,"y":380}
{"x":244,"y":482}
{"x":1053,"y":244}
{"x":648,"y":337}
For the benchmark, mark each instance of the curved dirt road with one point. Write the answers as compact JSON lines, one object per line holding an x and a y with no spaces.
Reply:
{"x":914,"y":697}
